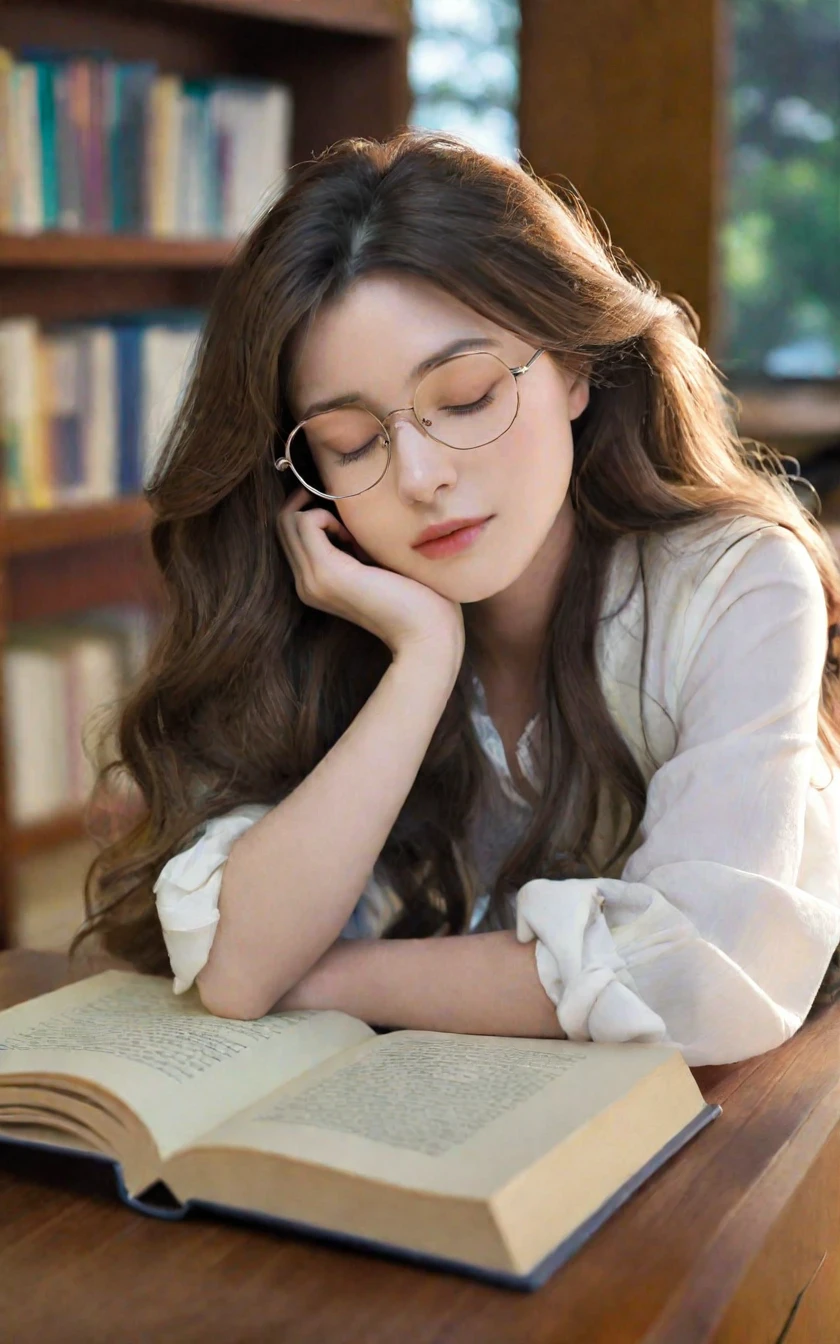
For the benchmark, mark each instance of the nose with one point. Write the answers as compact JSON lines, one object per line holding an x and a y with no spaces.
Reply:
{"x":420,"y":463}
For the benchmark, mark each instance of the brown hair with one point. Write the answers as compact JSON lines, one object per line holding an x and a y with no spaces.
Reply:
{"x":247,"y":688}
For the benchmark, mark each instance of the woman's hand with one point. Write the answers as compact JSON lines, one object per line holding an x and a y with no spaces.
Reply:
{"x":402,"y":612}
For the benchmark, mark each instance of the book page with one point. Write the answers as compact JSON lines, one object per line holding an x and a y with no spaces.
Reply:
{"x":176,"y":1066}
{"x":30,"y":1125}
{"x":442,"y":1112}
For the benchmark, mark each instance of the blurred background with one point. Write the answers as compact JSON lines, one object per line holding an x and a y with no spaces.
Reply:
{"x":138,"y":141}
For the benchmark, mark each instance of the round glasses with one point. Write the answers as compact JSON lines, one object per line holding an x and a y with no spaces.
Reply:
{"x":465,"y":402}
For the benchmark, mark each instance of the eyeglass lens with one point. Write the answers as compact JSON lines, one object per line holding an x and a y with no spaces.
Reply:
{"x":466,"y":402}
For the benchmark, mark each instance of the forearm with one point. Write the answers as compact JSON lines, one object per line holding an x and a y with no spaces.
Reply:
{"x":291,"y":882}
{"x":482,"y":983}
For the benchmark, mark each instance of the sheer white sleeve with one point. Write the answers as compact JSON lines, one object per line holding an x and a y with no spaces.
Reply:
{"x":723,"y":922}
{"x":187,"y":896}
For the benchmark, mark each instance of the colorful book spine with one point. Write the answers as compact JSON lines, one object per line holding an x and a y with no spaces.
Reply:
{"x":85,"y":406}
{"x":7,"y":65}
{"x":49,"y":148}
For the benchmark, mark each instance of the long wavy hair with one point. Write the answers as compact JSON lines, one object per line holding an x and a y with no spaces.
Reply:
{"x":247,"y":688}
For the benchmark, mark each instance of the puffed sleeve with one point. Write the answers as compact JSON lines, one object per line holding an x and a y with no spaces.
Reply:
{"x":188,"y":886}
{"x":187,"y":892}
{"x":718,"y":932}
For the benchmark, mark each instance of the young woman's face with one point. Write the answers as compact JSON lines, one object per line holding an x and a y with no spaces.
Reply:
{"x":369,"y":341}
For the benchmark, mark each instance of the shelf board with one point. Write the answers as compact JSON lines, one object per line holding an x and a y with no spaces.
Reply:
{"x":35,"y":836}
{"x":800,"y":410}
{"x":102,"y":250}
{"x":380,"y":18}
{"x":23,"y":533}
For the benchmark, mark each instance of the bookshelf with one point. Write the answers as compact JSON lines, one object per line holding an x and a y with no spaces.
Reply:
{"x":74,"y":252}
{"x":345,"y":62}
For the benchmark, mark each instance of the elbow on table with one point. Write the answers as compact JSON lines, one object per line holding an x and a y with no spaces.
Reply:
{"x":229,"y":999}
{"x":725,"y":1042}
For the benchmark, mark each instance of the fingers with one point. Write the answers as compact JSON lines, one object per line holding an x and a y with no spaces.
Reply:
{"x":301,"y":531}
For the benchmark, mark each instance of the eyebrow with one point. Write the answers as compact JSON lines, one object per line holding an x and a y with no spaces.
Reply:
{"x":456,"y":347}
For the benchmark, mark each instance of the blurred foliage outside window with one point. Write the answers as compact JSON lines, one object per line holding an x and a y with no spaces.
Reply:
{"x":781,"y":234}
{"x":780,"y":245}
{"x":464,"y":71}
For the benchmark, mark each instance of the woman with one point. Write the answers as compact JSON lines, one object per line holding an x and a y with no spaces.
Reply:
{"x":596,"y":729}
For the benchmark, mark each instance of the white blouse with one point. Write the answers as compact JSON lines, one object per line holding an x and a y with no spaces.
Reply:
{"x":717,"y":931}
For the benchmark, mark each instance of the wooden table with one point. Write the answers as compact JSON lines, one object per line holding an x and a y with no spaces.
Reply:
{"x":736,"y":1240}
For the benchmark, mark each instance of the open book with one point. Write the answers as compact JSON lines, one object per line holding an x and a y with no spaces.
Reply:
{"x":494,"y":1156}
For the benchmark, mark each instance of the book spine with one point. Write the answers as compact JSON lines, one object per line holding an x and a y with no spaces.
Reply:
{"x":109,"y":69}
{"x":26,"y":384}
{"x":138,"y":79}
{"x":80,"y":103}
{"x":116,"y":151}
{"x":86,"y":137}
{"x":186,"y":211}
{"x":38,"y":775}
{"x":66,"y":394}
{"x":6,"y":130}
{"x":103,"y":436}
{"x":12,"y":381}
{"x":49,"y":170}
{"x":42,"y":488}
{"x":30,"y":205}
{"x":96,"y":174}
{"x":174,"y":104}
{"x":70,"y":150}
{"x":128,"y":408}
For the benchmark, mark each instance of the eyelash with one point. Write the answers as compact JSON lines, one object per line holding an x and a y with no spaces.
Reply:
{"x":455,"y":410}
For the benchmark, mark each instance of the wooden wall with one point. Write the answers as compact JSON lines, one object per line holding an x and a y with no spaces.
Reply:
{"x":625,"y":98}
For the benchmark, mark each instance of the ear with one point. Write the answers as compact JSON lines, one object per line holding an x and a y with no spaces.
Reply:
{"x":578,"y":395}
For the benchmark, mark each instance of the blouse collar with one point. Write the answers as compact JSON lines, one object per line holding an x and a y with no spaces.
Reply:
{"x":491,"y":742}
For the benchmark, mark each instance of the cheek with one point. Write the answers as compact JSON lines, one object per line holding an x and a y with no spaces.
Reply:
{"x":365,"y":532}
{"x":535,"y":456}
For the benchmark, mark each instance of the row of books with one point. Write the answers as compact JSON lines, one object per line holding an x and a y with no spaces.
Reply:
{"x":91,"y":144}
{"x":61,"y":680}
{"x":84,"y":406}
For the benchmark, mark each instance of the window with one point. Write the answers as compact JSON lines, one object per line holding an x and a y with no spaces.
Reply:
{"x":464,"y":71}
{"x":781,"y":234}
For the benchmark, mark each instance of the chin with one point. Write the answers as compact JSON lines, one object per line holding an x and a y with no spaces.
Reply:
{"x":473,"y":587}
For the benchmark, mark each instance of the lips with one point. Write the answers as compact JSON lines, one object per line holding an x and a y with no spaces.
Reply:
{"x":447,"y":529}
{"x":454,"y":542}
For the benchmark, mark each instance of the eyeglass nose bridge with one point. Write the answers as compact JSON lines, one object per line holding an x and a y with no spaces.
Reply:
{"x":404,"y":410}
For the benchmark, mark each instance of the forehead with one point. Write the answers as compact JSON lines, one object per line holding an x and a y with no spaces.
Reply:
{"x":372,"y":337}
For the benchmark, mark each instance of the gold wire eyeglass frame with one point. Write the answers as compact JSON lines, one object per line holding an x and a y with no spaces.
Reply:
{"x":284,"y":462}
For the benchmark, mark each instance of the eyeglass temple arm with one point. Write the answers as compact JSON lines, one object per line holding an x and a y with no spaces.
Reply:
{"x":523,"y":368}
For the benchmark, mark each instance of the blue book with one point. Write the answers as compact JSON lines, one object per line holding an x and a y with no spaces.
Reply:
{"x":128,"y":343}
{"x":127,"y":151}
{"x":68,"y":460}
{"x":492,"y":1157}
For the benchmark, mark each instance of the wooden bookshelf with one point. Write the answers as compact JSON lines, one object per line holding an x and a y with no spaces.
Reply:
{"x":39,"y":835}
{"x":87,"y":250}
{"x":375,"y":17}
{"x":346,"y":64}
{"x":35,"y":530}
